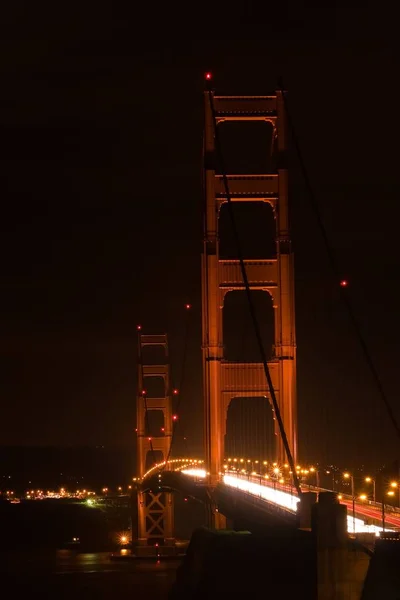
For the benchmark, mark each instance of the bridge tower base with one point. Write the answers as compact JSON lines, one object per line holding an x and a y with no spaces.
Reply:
{"x":155,"y":508}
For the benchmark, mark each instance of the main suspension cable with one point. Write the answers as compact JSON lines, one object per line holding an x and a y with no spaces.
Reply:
{"x":181,"y":382}
{"x":249,"y":296}
{"x":335,"y":269}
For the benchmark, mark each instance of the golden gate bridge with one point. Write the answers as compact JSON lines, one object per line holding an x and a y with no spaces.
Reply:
{"x":274,"y":485}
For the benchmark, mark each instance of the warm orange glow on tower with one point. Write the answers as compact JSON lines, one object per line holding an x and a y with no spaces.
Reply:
{"x":155,"y":510}
{"x":223,"y":380}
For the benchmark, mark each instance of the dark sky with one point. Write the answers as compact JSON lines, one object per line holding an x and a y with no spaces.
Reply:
{"x":101,"y":213}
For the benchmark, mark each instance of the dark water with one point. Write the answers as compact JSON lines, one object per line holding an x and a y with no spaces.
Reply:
{"x":71,"y":574}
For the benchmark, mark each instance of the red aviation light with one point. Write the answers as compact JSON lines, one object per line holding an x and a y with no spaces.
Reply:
{"x":149,"y":439}
{"x":175,"y":392}
{"x":138,"y":327}
{"x":344,"y":283}
{"x":208,"y":76}
{"x":162,"y":428}
{"x":174,"y":417}
{"x":188,"y":306}
{"x":144,"y":392}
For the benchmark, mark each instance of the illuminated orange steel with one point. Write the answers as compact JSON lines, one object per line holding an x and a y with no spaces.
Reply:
{"x":155,"y":510}
{"x":224,"y":380}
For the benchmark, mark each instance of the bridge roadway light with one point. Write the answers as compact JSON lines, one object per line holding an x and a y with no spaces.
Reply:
{"x":314,"y":470}
{"x":350,"y":476}
{"x":395,"y":485}
{"x":371,"y":480}
{"x":363,"y":497}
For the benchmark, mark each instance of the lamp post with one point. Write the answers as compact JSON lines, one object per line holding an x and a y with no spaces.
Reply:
{"x":349,"y":476}
{"x":314,"y":470}
{"x":276,"y":473}
{"x":333,"y":479}
{"x":394,"y":485}
{"x":370,"y":480}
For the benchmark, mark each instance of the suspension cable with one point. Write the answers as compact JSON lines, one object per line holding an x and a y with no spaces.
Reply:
{"x":249,"y":296}
{"x":335,"y":269}
{"x":181,"y":382}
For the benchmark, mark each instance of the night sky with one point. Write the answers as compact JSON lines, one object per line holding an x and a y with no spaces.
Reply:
{"x":101,"y":225}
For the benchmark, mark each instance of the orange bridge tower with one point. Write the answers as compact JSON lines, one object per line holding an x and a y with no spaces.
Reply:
{"x":155,"y":509}
{"x":225,"y":380}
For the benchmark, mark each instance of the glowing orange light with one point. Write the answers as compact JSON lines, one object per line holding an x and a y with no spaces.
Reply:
{"x":149,"y":439}
{"x":136,"y":429}
{"x":344,"y":283}
{"x":208,"y":76}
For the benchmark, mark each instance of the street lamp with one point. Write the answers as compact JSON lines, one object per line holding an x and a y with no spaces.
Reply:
{"x":395,"y":485}
{"x":277,"y":473}
{"x":349,"y":476}
{"x":314,"y":470}
{"x":333,"y":479}
{"x":370,"y":480}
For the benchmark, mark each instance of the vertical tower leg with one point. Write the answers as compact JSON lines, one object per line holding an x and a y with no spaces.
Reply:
{"x":155,"y":508}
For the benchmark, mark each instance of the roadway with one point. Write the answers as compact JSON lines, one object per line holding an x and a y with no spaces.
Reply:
{"x":286,"y":496}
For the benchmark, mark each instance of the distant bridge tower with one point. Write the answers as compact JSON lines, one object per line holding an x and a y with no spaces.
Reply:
{"x":225,"y":380}
{"x":155,"y":509}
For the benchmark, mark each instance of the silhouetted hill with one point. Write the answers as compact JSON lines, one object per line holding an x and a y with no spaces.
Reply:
{"x":22,"y":468}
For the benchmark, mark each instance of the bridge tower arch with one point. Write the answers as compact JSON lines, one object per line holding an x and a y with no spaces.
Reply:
{"x":224,"y":379}
{"x":155,"y":509}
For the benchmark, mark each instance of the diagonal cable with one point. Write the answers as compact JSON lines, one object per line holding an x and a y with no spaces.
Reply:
{"x":336,"y":271}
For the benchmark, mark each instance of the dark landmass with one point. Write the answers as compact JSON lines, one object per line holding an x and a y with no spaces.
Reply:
{"x":24,"y":467}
